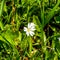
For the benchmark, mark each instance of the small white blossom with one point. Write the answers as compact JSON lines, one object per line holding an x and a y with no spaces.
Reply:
{"x":30,"y":29}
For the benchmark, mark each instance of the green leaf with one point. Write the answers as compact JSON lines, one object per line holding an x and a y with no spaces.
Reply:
{"x":9,"y":37}
{"x":37,"y":22}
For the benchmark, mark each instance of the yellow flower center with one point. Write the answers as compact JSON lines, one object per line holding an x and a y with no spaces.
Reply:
{"x":28,"y":29}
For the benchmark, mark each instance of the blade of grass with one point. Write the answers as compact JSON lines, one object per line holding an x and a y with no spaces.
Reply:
{"x":42,"y":12}
{"x":7,"y":39}
{"x":2,"y":39}
{"x":1,"y":8}
{"x":51,"y":13}
{"x":1,"y":25}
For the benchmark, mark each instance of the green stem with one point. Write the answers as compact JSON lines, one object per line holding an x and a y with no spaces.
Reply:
{"x":30,"y":44}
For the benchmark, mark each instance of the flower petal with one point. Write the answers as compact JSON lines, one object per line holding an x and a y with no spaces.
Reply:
{"x":27,"y":33}
{"x":31,"y":33}
{"x":29,"y":25}
{"x":32,"y":24}
{"x":25,"y":29}
{"x":32,"y":29}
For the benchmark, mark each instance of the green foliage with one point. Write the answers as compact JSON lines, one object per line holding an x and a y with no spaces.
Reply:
{"x":15,"y":44}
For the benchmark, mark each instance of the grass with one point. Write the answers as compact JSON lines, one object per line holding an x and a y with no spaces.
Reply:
{"x":15,"y":44}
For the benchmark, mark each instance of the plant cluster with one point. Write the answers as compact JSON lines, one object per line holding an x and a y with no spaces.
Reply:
{"x":29,"y":29}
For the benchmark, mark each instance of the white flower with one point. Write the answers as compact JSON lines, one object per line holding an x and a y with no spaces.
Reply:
{"x":30,"y":29}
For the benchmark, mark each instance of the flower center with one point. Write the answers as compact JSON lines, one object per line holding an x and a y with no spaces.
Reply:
{"x":28,"y":29}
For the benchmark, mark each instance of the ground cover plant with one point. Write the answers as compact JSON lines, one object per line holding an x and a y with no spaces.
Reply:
{"x":29,"y":29}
